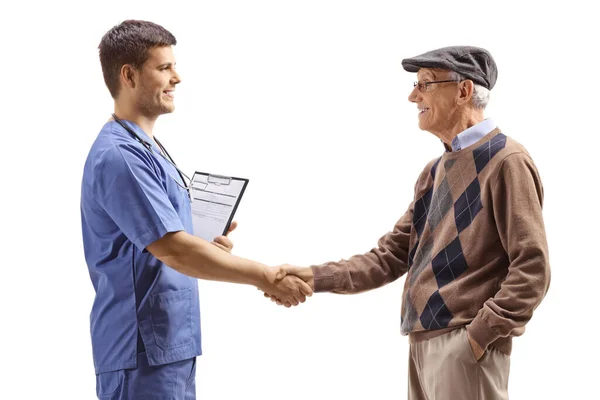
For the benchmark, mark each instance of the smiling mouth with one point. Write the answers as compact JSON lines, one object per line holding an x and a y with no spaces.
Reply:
{"x":169,"y":93}
{"x":423,"y":110}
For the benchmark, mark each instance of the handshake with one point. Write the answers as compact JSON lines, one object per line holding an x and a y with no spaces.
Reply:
{"x":287,"y":285}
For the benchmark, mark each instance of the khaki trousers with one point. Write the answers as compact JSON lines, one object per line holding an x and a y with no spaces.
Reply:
{"x":444,"y":368}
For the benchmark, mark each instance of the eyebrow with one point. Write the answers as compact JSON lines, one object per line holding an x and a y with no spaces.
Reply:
{"x":167,"y":64}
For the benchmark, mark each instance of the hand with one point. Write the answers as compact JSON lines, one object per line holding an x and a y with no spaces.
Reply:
{"x":289,"y":290}
{"x":477,"y":350}
{"x":306,"y":274}
{"x":223,"y":242}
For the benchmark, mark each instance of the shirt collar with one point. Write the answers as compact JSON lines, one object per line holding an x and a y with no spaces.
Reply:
{"x":140,"y":132}
{"x":473,"y":134}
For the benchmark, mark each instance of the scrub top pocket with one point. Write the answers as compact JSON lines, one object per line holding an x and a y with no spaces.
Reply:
{"x":171,"y":317}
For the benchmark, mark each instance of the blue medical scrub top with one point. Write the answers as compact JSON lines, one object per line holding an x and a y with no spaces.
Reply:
{"x":129,"y":199}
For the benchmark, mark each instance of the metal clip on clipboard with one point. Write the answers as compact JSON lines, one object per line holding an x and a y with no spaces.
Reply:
{"x":218,"y":179}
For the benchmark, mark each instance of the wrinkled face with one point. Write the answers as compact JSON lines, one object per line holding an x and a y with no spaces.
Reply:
{"x":437,"y":104}
{"x":156,"y":82}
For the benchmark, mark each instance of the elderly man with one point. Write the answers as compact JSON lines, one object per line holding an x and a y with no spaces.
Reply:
{"x":472,"y":241}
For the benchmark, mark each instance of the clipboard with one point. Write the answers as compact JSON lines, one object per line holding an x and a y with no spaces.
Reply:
{"x":215,"y":199}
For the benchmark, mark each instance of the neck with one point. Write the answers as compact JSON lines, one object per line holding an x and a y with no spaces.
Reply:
{"x":461,"y":123}
{"x":129,"y":113}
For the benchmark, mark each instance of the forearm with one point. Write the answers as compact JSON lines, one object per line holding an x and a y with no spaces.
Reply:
{"x":357,"y":274}
{"x":382,"y":265}
{"x":197,"y":258}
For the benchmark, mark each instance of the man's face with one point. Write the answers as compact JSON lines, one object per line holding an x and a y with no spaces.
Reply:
{"x":437,"y":104}
{"x":156,"y":82}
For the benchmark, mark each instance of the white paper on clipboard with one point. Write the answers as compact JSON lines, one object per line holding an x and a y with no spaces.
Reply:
{"x":215,"y":200}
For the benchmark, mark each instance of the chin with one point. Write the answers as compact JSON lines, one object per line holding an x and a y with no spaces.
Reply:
{"x":167,"y":109}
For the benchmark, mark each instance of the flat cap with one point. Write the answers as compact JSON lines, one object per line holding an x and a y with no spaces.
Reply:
{"x":473,"y":63}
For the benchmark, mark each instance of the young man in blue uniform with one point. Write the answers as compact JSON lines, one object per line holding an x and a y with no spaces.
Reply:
{"x":142,"y":257}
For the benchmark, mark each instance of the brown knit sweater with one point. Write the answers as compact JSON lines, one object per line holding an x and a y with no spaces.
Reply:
{"x":472,"y":241}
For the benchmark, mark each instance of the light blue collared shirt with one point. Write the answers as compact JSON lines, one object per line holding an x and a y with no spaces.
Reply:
{"x":473,"y":134}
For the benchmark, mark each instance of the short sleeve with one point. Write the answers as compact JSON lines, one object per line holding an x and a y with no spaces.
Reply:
{"x":129,"y":187}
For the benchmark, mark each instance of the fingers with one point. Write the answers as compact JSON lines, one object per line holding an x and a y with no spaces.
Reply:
{"x":304,"y":273}
{"x":279,"y":302}
{"x":219,"y":245}
{"x":294,"y":301}
{"x":286,"y":303}
{"x":288,"y":290}
{"x":225,"y":242}
{"x":299,"y":297}
{"x":291,"y":287}
{"x":232,"y":227}
{"x":274,"y":299}
{"x":305,"y":288}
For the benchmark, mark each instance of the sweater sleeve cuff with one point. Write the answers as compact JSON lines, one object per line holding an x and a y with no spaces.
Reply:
{"x":323,"y":277}
{"x":481,"y":332}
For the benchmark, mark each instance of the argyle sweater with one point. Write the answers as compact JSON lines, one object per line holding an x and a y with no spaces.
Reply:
{"x":472,"y":244}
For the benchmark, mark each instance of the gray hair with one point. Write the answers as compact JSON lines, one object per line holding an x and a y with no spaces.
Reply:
{"x":481,"y":95}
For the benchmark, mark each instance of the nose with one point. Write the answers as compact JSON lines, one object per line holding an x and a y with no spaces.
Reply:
{"x":176,"y":78}
{"x":414,"y":96}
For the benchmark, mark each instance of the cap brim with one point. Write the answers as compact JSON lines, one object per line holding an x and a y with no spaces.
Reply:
{"x":415,"y":64}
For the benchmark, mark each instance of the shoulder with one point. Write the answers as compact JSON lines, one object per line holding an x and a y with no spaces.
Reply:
{"x":493,"y":154}
{"x":430,"y":169}
{"x":426,"y":177}
{"x":504,"y":148}
{"x":114,"y":150}
{"x":510,"y":159}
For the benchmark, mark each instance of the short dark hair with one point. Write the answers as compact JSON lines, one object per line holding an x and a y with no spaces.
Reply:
{"x":129,"y":43}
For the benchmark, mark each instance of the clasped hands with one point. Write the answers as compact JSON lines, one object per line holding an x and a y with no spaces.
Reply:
{"x":285,"y":285}
{"x":290,"y":285}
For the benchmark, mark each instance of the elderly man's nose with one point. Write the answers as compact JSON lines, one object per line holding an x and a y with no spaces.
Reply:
{"x":414,"y":94}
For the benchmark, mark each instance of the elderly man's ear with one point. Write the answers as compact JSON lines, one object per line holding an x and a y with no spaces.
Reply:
{"x":465,"y":92}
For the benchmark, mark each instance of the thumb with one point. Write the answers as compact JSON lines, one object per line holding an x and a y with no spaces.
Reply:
{"x":280,"y":274}
{"x":293,"y":270}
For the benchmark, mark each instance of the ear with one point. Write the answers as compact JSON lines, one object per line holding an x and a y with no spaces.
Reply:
{"x":465,"y":92}
{"x":129,"y":76}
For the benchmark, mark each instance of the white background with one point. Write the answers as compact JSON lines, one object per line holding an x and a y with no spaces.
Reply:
{"x":308,"y":100}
